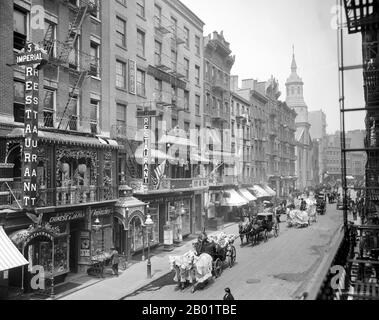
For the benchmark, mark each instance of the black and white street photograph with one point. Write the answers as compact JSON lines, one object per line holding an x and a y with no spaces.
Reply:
{"x":199,"y":151}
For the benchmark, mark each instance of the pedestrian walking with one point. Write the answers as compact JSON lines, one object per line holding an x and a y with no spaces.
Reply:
{"x":115,"y":260}
{"x":228,"y":295}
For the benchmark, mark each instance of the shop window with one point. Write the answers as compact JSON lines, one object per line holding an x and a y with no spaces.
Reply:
{"x":136,"y":234}
{"x":154,"y":215}
{"x":180,"y":217}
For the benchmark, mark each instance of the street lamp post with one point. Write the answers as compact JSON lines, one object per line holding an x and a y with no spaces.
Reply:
{"x":149,"y":223}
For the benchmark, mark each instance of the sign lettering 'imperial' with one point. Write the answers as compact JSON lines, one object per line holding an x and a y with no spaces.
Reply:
{"x":30,"y":57}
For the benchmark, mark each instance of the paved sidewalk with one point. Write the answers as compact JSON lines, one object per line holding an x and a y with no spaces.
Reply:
{"x":134,"y":277}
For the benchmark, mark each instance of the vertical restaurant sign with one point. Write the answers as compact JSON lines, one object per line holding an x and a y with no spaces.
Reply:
{"x":132,"y":76}
{"x":146,"y":150}
{"x":31,"y":56}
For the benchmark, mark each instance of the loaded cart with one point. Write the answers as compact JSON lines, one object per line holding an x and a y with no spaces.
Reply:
{"x":99,"y":263}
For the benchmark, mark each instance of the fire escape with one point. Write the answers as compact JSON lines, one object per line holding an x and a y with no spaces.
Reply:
{"x":174,"y":101}
{"x":61,"y":56}
{"x":362,"y":265}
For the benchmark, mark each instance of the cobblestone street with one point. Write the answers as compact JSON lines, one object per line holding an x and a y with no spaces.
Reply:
{"x":282,"y":268}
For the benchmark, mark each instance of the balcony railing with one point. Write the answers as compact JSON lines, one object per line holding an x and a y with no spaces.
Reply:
{"x":49,"y":197}
{"x":168,"y":184}
{"x":218,"y":84}
{"x":225,"y":180}
{"x":216,"y":114}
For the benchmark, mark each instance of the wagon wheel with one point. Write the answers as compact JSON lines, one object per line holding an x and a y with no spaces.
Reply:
{"x":232,"y":257}
{"x":217,"y":267}
{"x":266,"y":235}
{"x":276,"y":231}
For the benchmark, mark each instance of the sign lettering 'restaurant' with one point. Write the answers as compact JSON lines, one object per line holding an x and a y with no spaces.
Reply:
{"x":31,"y":57}
{"x":146,"y":150}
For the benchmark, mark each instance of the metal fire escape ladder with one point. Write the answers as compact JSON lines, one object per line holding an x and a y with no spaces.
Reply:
{"x":362,"y":16}
{"x":67,"y":47}
{"x":74,"y":28}
{"x":81,"y":77}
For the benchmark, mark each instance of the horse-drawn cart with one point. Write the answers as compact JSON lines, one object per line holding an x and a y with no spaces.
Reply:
{"x":207,"y":261}
{"x":259,"y":227}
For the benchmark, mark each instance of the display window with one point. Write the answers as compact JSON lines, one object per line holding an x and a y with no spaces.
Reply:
{"x":154,"y":214}
{"x":180,"y":216}
{"x":136,"y":234}
{"x":40,"y":254}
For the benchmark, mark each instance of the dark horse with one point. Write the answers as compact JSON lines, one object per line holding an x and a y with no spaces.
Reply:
{"x":251,"y":230}
{"x":204,"y":246}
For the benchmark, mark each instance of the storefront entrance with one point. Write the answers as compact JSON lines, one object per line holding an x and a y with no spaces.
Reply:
{"x":119,"y":236}
{"x":75,"y":228}
{"x":137,"y":236}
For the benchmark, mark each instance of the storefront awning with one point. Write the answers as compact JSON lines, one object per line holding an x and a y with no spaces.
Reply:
{"x":270,"y":191}
{"x":259,"y":192}
{"x":247,"y":194}
{"x":129,"y":202}
{"x":233,"y":200}
{"x":66,"y":138}
{"x":10,"y":256}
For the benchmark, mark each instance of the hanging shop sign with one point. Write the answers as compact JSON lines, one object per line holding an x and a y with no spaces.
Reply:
{"x":132,"y":76}
{"x":146,"y":150}
{"x":31,"y":56}
{"x":101,"y":212}
{"x":67,"y":216}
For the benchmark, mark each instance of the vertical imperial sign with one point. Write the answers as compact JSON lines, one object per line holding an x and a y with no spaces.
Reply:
{"x":31,"y":57}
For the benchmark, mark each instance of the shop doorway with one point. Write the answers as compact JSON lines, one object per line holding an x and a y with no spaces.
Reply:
{"x":75,"y":228}
{"x":136,"y":234}
{"x":119,"y":236}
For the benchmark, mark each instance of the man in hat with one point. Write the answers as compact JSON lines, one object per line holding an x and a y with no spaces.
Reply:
{"x":115,"y":260}
{"x":228,"y":295}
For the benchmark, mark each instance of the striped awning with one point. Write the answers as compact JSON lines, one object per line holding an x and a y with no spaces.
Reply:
{"x":259,"y":192}
{"x":67,"y":138}
{"x":10,"y":256}
{"x":270,"y":191}
{"x":247,"y":194}
{"x":233,"y":199}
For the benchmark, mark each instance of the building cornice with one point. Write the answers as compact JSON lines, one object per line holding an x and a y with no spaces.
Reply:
{"x":186,"y":13}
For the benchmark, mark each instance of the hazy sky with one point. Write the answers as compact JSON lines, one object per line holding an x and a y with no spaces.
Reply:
{"x":261,"y":35}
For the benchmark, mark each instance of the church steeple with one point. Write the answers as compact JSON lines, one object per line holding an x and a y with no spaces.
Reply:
{"x":293,"y":64}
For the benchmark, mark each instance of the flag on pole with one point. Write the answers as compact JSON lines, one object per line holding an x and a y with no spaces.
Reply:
{"x":215,"y":169}
{"x":159,"y":172}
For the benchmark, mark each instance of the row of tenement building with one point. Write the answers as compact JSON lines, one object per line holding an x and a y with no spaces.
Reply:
{"x":117,"y":70}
